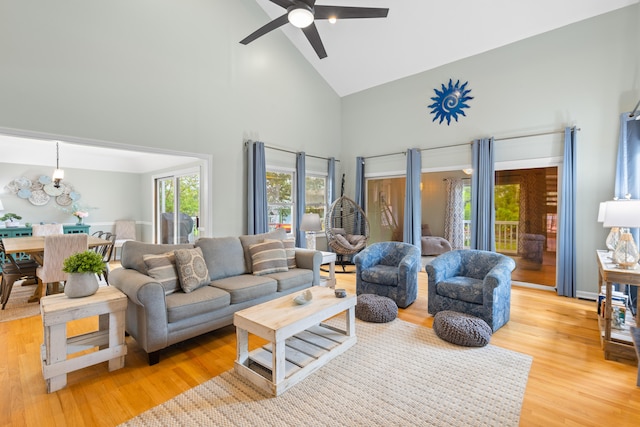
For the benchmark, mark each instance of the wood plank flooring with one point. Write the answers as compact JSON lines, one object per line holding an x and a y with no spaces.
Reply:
{"x":570,"y":383}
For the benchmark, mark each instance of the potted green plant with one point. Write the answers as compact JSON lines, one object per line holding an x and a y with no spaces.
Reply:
{"x":83,"y":268}
{"x":10,"y":219}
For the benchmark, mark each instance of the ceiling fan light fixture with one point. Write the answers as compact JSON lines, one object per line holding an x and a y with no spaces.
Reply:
{"x":300,"y":16}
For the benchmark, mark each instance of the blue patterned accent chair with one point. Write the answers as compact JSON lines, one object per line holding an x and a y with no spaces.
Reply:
{"x":473,"y":282}
{"x":389,"y":269}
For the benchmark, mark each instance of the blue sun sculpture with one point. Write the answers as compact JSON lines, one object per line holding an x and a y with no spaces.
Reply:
{"x":450,"y":101}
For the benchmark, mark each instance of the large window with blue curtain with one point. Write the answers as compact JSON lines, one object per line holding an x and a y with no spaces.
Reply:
{"x":316,"y":195}
{"x":281,"y":201}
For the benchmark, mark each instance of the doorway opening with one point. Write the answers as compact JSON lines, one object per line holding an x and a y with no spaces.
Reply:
{"x":526,"y":202}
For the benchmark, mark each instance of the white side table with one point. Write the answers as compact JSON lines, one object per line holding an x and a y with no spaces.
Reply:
{"x":330,"y":259}
{"x":110,"y":305}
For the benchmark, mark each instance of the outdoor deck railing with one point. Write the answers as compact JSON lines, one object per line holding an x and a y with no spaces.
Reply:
{"x":506,"y":233}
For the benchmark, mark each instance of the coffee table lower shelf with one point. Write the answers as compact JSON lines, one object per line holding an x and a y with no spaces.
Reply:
{"x":305,"y":352}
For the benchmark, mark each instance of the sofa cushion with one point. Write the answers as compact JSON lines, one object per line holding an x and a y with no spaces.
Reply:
{"x":206,"y":299}
{"x":132,"y":253}
{"x":268,"y":257}
{"x":192,"y":270}
{"x":251,"y":239}
{"x":224,"y":256}
{"x":290,"y":249}
{"x":381,"y":275}
{"x":162,"y":267}
{"x":461,"y":288}
{"x":246,"y":287}
{"x":292,"y":279}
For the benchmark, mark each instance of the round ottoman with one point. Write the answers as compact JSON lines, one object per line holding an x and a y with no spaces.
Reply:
{"x":462,"y":329}
{"x":377,"y":309}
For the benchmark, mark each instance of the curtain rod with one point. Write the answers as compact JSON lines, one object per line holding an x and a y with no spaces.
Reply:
{"x":421,"y":149}
{"x":529,"y":135}
{"x":293,"y":152}
{"x":467,"y":143}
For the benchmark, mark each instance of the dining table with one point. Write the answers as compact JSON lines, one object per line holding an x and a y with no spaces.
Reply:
{"x":34,"y":247}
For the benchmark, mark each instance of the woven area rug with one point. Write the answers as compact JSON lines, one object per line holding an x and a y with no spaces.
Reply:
{"x":397,"y":374}
{"x":17,"y":307}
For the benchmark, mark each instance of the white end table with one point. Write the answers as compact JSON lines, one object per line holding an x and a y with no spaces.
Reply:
{"x":110,"y":305}
{"x":330,"y":259}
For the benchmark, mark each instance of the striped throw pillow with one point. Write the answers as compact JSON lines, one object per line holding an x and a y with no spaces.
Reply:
{"x":290,"y":249}
{"x":162,"y":267}
{"x":268,"y":257}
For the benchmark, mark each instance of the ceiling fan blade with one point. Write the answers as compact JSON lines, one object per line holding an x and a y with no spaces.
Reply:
{"x":343,"y":12}
{"x":314,"y":38}
{"x":282,"y":3}
{"x":276,"y":23}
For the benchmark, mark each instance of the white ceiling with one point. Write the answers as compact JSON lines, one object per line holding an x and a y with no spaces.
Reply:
{"x":419,"y":35}
{"x":38,"y":152}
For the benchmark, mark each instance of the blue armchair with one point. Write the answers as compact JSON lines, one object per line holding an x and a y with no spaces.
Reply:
{"x":473,"y":282}
{"x":389,"y":269}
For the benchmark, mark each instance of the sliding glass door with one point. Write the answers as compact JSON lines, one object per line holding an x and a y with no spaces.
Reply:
{"x":177,"y":207}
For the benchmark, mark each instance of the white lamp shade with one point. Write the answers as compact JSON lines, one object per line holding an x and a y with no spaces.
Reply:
{"x":601,"y":211}
{"x":300,"y":17}
{"x":1,"y":207}
{"x":622,"y":213}
{"x":311,"y":222}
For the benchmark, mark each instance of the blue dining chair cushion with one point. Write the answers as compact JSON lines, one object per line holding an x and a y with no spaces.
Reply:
{"x":461,"y":288}
{"x":381,"y":275}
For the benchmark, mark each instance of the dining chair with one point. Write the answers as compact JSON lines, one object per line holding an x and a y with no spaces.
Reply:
{"x":46,"y":229}
{"x":106,"y":251}
{"x":57,"y":248}
{"x":13,"y":271}
{"x":125,"y":230}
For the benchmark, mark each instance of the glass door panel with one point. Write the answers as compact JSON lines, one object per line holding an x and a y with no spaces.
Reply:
{"x":385,"y":209}
{"x":177,"y":208}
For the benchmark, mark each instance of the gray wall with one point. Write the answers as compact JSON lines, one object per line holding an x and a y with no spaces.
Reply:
{"x":167,"y":74}
{"x":585,"y":74}
{"x":107,"y":195}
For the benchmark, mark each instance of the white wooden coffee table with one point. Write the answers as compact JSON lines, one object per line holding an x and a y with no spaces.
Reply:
{"x":299,"y":343}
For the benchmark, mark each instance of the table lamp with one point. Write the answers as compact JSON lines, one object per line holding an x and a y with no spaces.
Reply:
{"x":310,"y":225}
{"x":624,"y":214}
{"x":614,"y":234}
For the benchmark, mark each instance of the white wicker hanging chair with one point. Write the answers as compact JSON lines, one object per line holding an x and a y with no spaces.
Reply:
{"x":347,"y":227}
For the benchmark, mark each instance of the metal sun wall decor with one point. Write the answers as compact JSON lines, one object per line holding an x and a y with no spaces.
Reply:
{"x":450,"y":101}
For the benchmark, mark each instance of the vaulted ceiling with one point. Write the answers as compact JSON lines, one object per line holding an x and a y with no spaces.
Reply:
{"x":420,"y":35}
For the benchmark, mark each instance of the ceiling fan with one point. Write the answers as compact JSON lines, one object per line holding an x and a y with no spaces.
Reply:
{"x":302,"y":13}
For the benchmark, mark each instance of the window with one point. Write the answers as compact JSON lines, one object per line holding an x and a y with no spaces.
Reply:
{"x":316,"y":195}
{"x":280,"y":200}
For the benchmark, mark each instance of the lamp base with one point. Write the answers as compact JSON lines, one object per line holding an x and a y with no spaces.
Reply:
{"x":311,"y":240}
{"x":627,"y":265}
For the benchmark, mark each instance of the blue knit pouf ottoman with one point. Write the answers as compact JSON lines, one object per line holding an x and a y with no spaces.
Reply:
{"x":376,"y":309}
{"x":461,"y":329}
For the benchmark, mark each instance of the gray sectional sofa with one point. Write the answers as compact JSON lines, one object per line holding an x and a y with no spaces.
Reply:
{"x":157,"y":318}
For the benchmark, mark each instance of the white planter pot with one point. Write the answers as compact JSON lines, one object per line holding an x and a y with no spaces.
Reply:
{"x":81,"y":285}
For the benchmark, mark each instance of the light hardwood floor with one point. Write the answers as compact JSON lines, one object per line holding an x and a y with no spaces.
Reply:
{"x":570,"y":383}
